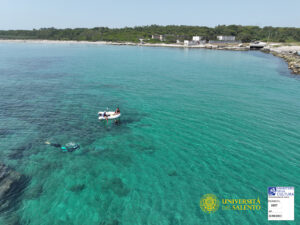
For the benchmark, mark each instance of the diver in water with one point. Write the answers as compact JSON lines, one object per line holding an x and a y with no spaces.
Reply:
{"x":70,"y":147}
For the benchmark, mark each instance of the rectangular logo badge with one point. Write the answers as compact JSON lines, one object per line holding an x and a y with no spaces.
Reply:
{"x":281,"y":203}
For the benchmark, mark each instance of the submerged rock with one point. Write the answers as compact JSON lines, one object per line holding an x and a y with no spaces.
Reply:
{"x":117,"y":186}
{"x":4,"y":132}
{"x":77,"y":188}
{"x":13,"y":219}
{"x":172,"y":173}
{"x":114,"y":222}
{"x":12,"y":185}
{"x":18,"y":153}
{"x":34,"y":192}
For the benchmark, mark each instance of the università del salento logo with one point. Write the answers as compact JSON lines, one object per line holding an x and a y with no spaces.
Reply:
{"x":209,"y":203}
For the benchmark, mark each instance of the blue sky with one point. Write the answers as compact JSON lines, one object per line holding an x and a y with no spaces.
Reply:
{"x":29,"y":14}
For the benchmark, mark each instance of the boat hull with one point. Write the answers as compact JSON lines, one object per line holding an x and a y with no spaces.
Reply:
{"x":110,"y":116}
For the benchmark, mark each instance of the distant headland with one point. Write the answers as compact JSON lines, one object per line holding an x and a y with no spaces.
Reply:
{"x":171,"y":33}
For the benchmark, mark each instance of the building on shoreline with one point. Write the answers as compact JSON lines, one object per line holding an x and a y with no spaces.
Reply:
{"x":197,"y":38}
{"x":221,"y":39}
{"x":192,"y":42}
{"x":226,"y":38}
{"x":186,"y":42}
{"x":159,"y":37}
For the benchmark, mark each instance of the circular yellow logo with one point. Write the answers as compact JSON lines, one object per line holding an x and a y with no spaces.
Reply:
{"x":209,"y":203}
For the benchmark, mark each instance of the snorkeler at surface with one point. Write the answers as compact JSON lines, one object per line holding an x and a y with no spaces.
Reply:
{"x":70,"y":147}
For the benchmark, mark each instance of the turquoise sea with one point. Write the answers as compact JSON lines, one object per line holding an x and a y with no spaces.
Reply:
{"x":193,"y":122}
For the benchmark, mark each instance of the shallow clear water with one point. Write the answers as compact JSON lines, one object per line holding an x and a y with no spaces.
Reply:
{"x":194,"y":122}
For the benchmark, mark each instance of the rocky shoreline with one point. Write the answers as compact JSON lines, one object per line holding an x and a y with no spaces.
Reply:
{"x":289,"y":53}
{"x":293,"y":61}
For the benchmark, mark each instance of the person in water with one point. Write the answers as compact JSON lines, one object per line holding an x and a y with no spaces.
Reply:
{"x":70,"y":147}
{"x":105,"y":116}
{"x":117,"y":111}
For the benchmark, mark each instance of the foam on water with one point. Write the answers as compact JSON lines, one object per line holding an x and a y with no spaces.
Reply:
{"x":193,"y":122}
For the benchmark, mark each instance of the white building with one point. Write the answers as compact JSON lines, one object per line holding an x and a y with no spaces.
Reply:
{"x":226,"y":38}
{"x":186,"y":42}
{"x":190,"y":43}
{"x":160,"y":37}
{"x":197,"y":38}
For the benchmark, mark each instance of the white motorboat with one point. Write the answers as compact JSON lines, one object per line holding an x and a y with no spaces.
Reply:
{"x":109,"y":115}
{"x":257,"y":45}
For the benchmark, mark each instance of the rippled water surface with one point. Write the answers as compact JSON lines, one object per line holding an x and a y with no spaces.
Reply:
{"x":194,"y":122}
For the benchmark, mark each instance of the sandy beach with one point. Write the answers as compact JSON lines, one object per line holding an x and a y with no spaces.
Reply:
{"x":231,"y":46}
{"x":275,"y":47}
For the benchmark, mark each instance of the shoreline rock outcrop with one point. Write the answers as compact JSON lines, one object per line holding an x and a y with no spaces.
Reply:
{"x":293,"y":60}
{"x":289,"y":53}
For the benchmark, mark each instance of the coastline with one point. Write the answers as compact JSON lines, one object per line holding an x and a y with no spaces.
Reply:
{"x":39,"y":41}
{"x":289,"y":53}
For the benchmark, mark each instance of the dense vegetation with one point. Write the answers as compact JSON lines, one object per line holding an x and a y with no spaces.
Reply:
{"x":243,"y":33}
